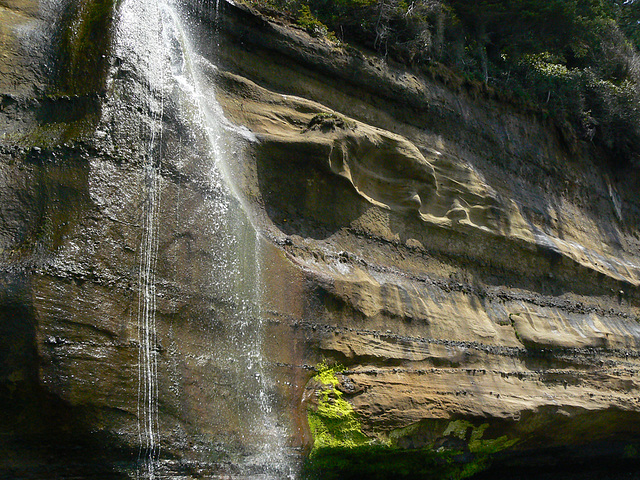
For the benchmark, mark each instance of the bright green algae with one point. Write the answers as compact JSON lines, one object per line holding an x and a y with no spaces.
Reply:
{"x":335,"y":423}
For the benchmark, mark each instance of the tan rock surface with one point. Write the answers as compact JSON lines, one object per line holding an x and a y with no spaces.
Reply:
{"x":475,"y":271}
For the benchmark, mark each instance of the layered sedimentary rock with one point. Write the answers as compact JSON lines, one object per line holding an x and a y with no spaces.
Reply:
{"x":463,"y":261}
{"x":476,"y":277}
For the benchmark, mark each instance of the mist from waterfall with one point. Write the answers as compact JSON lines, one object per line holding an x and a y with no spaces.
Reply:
{"x":153,"y":35}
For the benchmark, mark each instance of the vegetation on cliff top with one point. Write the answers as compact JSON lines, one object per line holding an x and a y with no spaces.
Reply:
{"x":574,"y":61}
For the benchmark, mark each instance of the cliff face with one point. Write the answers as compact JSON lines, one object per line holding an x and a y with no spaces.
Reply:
{"x":475,"y":276}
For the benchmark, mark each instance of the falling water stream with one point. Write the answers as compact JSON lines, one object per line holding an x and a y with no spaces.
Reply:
{"x":152,"y":34}
{"x":148,"y":251}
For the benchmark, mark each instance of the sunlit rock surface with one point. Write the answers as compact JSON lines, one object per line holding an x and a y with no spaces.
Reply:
{"x":450,"y":252}
{"x":472,"y":268}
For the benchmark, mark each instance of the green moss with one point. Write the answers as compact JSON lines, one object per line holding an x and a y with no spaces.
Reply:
{"x":71,"y":108}
{"x":513,"y":324}
{"x":327,"y":374}
{"x":342,"y":451}
{"x":53,"y":134}
{"x":403,"y":432}
{"x":477,"y":445}
{"x":334,"y":423}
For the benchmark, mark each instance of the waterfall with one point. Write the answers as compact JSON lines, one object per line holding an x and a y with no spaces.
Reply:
{"x":154,"y":37}
{"x":242,"y":282}
{"x":147,"y":336}
{"x":143,"y":42}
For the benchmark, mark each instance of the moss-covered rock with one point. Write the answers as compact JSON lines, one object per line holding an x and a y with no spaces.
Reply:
{"x":379,"y":462}
{"x":455,"y":450}
{"x":334,"y":423}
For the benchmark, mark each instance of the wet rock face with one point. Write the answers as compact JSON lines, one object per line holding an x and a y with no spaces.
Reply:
{"x":478,"y":282}
{"x":97,"y":189}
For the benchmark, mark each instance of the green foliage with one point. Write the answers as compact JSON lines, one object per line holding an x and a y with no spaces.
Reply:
{"x":629,"y":20}
{"x":309,"y":22}
{"x":377,"y":462}
{"x":531,"y":26}
{"x":575,"y":61}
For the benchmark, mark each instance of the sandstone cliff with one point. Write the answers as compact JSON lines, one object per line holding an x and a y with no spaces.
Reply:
{"x":476,"y":278}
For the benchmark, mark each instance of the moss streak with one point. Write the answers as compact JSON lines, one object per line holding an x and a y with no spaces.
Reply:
{"x":84,"y":47}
